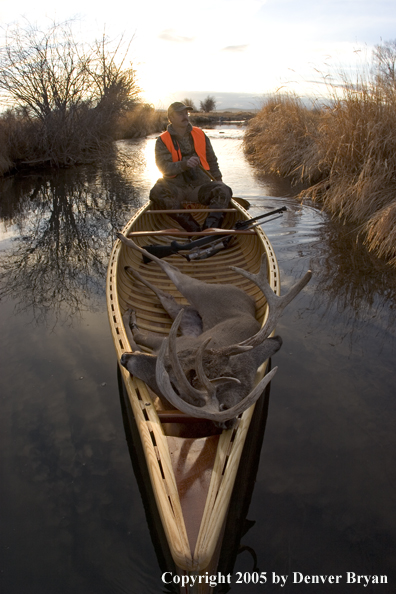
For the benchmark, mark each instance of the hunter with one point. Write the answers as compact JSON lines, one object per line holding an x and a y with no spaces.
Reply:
{"x":183,"y":153}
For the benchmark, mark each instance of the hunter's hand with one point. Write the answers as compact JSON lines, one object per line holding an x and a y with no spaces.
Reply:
{"x":193,"y":161}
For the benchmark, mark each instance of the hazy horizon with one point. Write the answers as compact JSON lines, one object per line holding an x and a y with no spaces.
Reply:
{"x":238,"y":51}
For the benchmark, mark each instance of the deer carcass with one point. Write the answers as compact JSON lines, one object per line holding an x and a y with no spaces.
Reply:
{"x":209,"y":370}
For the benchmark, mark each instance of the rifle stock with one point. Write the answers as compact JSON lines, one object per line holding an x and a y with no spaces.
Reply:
{"x":163,"y":251}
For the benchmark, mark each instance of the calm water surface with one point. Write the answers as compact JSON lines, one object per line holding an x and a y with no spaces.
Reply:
{"x":72,"y":517}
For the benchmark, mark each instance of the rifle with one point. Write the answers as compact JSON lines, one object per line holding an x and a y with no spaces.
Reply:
{"x":218,"y":243}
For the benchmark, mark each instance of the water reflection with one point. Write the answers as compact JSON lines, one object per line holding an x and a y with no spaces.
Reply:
{"x":351,"y":275}
{"x":64,"y":225}
{"x":72,"y":516}
{"x":350,"y":286}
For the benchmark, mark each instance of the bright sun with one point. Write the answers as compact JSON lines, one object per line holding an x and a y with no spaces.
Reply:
{"x":151,"y":169}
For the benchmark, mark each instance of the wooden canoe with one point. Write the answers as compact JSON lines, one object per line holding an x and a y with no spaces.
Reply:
{"x":191,"y":464}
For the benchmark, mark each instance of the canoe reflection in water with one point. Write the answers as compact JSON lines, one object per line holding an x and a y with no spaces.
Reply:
{"x":236,"y":526}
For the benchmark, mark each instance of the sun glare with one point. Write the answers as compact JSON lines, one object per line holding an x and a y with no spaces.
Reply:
{"x":152,"y":171}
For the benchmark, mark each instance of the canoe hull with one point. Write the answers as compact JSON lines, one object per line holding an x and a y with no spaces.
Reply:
{"x":192,"y":473}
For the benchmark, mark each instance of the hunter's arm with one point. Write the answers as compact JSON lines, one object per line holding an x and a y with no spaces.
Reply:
{"x":163,"y":159}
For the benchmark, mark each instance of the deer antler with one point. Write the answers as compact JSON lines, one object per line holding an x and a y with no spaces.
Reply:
{"x":183,"y":382}
{"x":276,"y":304}
{"x":210,"y":410}
{"x":205,"y":381}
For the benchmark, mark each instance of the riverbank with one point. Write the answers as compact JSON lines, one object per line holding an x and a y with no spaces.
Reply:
{"x":22,"y":148}
{"x":344,"y":154}
{"x":145,"y":120}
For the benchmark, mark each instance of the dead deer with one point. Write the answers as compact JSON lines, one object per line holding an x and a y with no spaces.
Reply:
{"x":210,"y":370}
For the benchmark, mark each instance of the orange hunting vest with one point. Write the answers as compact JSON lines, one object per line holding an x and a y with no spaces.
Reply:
{"x":199,"y":146}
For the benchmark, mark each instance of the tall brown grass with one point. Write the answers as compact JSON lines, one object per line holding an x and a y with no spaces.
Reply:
{"x":140,"y":121}
{"x":61,"y":140}
{"x":5,"y":161}
{"x":344,"y":153}
{"x":30,"y":142}
{"x":280,"y":139}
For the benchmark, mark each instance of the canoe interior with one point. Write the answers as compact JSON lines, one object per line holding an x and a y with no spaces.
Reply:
{"x":237,"y":525}
{"x":244,"y":253}
{"x":192,"y":464}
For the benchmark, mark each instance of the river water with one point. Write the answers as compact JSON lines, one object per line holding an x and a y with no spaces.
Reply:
{"x":72,"y":517}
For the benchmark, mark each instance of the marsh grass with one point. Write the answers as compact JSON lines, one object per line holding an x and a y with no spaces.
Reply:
{"x":140,"y":121}
{"x":343,"y":152}
{"x":59,"y":141}
{"x":280,"y":139}
{"x":5,"y":161}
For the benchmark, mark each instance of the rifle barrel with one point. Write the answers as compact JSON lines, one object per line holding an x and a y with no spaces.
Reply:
{"x":248,"y":222}
{"x":204,"y":237}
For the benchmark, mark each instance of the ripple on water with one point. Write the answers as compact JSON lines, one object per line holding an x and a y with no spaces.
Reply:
{"x":68,"y":475}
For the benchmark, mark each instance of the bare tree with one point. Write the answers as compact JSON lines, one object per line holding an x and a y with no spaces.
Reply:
{"x":190,"y":103}
{"x":66,"y":94}
{"x":43,"y":72}
{"x":209,"y":104}
{"x":115,"y":84}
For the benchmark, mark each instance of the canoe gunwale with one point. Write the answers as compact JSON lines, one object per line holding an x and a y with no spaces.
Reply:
{"x":154,"y":440}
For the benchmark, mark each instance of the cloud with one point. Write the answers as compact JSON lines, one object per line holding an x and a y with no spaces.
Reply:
{"x":171,"y":35}
{"x":235,"y":48}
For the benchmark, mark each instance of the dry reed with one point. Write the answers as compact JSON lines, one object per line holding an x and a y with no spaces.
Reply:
{"x":140,"y":121}
{"x":60,"y":140}
{"x":280,"y":139}
{"x":344,"y":152}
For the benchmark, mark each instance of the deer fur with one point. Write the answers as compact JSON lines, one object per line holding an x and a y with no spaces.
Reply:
{"x":209,"y":370}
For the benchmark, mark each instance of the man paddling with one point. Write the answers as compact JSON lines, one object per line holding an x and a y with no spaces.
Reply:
{"x":183,"y":154}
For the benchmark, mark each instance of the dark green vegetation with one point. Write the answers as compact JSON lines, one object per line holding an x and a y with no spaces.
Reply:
{"x":343,"y":151}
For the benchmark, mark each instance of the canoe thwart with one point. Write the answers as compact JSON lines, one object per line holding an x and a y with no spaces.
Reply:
{"x":179,"y":232}
{"x":189,"y":210}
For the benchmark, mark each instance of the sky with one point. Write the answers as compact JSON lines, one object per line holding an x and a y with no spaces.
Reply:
{"x":235,"y":50}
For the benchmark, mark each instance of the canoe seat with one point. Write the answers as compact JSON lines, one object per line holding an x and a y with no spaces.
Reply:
{"x":176,"y":416}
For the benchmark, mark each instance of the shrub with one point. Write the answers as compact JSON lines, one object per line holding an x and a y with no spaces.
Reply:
{"x":140,"y":121}
{"x":65,"y":96}
{"x":208,"y":104}
{"x":190,"y":103}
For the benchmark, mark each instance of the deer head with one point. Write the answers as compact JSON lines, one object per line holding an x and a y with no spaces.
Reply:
{"x":212,"y":375}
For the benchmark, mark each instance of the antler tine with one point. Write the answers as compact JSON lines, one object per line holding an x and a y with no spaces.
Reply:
{"x":210,"y":384}
{"x":276,"y":304}
{"x":183,"y":382}
{"x":209,"y":411}
{"x":211,"y":388}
